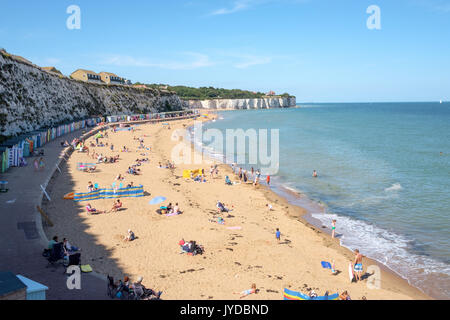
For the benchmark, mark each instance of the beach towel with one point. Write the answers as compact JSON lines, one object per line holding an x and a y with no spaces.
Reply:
{"x":172,"y":214}
{"x":326,"y":265}
{"x":86,"y":268}
{"x":294,"y":295}
{"x":234,"y":228}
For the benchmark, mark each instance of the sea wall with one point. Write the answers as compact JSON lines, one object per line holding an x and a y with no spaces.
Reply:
{"x":31,"y":98}
{"x":239,"y":104}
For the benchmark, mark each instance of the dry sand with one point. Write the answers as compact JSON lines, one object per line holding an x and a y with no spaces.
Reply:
{"x":234,"y":259}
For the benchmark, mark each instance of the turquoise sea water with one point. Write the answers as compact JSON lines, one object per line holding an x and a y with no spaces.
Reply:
{"x":381,"y":175}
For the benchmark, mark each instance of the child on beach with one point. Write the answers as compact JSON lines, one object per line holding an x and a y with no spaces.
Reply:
{"x":247,"y":292}
{"x":278,"y":235}
{"x":130,"y":236}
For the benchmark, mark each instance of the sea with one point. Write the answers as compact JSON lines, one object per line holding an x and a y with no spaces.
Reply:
{"x":383,"y":174}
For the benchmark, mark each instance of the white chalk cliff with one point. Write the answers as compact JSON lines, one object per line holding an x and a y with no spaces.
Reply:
{"x":31,"y":99}
{"x":239,"y":104}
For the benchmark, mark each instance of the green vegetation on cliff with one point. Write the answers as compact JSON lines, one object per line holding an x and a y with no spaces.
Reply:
{"x":205,"y":93}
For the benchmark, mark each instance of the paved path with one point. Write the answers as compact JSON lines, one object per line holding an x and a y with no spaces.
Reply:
{"x":22,"y":237}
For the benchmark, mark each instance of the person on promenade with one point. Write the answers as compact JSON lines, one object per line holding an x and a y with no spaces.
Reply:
{"x":52,"y":242}
{"x":41,"y":164}
{"x":68,"y":248}
{"x":358,"y":266}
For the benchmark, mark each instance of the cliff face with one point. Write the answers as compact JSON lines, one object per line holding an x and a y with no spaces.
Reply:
{"x":237,"y":104}
{"x":31,"y":98}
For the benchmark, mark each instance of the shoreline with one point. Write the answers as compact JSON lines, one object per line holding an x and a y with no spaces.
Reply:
{"x":96,"y":236}
{"x":305,"y":216}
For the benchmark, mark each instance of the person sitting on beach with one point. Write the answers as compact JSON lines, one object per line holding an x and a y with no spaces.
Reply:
{"x":130,"y":185}
{"x":119,"y":177}
{"x":130,"y":236}
{"x":247,"y":292}
{"x":91,"y":210}
{"x":344,"y":296}
{"x":90,"y":187}
{"x":169,"y":208}
{"x":117,"y":206}
{"x":228,"y":181}
{"x":221,"y":208}
{"x":142,"y":292}
{"x":176,"y":209}
{"x":269,"y":206}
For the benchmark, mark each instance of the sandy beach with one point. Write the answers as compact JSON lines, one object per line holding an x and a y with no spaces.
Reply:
{"x":233,"y":259}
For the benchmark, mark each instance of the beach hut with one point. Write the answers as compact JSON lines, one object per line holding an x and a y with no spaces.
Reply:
{"x":11,"y":287}
{"x":35,"y":291}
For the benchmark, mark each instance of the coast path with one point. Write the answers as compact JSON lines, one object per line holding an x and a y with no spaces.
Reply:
{"x":23,"y":239}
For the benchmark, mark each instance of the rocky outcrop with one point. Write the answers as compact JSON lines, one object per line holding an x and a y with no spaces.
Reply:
{"x":31,"y":99}
{"x":239,"y":104}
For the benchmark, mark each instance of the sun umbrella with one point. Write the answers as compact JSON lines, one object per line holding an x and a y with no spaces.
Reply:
{"x":158,"y":200}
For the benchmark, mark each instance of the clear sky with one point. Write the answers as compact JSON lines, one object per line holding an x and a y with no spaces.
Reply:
{"x":318,"y":50}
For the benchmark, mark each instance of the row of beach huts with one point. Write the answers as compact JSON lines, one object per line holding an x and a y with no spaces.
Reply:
{"x":13,"y":152}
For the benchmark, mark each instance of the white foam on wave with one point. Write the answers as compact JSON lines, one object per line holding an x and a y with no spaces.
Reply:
{"x":386,"y":247}
{"x":394,"y":187}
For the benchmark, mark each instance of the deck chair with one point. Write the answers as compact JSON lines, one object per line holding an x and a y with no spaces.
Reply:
{"x":74,"y":260}
{"x":56,"y":255}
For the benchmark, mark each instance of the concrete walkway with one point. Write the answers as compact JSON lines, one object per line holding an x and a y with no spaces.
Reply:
{"x":22,"y":236}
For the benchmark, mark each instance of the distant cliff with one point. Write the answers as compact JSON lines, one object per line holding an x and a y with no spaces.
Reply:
{"x":31,"y":98}
{"x":239,"y":104}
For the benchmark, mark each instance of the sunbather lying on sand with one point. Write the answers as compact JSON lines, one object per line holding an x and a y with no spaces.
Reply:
{"x":247,"y":292}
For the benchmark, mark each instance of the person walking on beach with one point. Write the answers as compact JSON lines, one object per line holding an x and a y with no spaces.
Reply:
{"x":268,"y":180}
{"x":333,"y":228}
{"x":278,"y":235}
{"x":357,"y":265}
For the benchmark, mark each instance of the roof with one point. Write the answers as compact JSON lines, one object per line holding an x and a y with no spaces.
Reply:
{"x":32,"y":286}
{"x":85,"y":71}
{"x":51,"y":69}
{"x":9,"y":283}
{"x":109,"y":74}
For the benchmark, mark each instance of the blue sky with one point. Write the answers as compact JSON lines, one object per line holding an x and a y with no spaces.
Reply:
{"x":318,"y":50}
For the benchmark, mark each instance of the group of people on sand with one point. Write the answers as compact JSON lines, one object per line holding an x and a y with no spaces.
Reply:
{"x":246,"y":176}
{"x":117,"y":206}
{"x":169,"y":165}
{"x":137,"y":290}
